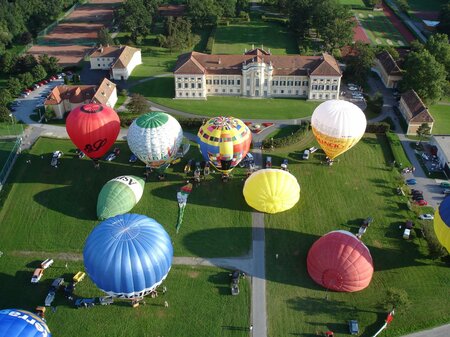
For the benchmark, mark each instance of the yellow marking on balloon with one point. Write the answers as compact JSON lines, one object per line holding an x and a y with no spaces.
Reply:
{"x":442,"y":230}
{"x":333,"y":146}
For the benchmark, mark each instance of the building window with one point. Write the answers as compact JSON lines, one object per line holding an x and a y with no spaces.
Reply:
{"x":282,"y":91}
{"x":334,"y":87}
{"x":248,"y":82}
{"x":274,"y":91}
{"x":216,"y":90}
{"x":326,"y":96}
{"x":327,"y":87}
{"x":208,"y":81}
{"x":192,"y":79}
{"x":216,"y":81}
{"x":320,"y":96}
{"x":238,"y":82}
{"x":283,"y":83}
{"x":304,"y":92}
{"x":334,"y":96}
{"x":314,"y":87}
{"x":239,"y":90}
{"x":192,"y":85}
{"x":314,"y":96}
{"x":199,"y":85}
{"x":321,"y":87}
{"x":193,"y":94}
{"x":186,"y":85}
{"x":199,"y":78}
{"x":180,"y":94}
{"x":297,"y":83}
{"x":99,"y":64}
{"x":209,"y":90}
{"x":257,"y":82}
{"x":223,"y":90}
{"x":223,"y":82}
{"x":231,"y":90}
{"x":290,"y":83}
{"x":179,"y":85}
{"x":187,"y":94}
{"x":296,"y":92}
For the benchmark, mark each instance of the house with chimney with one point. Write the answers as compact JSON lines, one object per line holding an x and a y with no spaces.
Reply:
{"x":257,"y":74}
{"x":414,"y":112}
{"x":64,"y":98}
{"x":119,"y":60}
{"x":388,"y":70}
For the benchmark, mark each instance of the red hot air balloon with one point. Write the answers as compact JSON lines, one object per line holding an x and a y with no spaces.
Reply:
{"x":340,"y":261}
{"x":93,"y":128}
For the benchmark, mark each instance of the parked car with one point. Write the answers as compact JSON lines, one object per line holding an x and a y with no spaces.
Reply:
{"x":352,"y":88}
{"x":85,"y":302}
{"x":426,"y":217}
{"x":46,"y":263}
{"x":445,"y":184}
{"x":425,"y":157}
{"x":312,"y":149}
{"x":353,"y":327}
{"x":269,"y":162}
{"x":306,"y":155}
{"x":411,"y":181}
{"x":421,"y":202}
{"x":37,"y":275}
{"x":446,"y":191}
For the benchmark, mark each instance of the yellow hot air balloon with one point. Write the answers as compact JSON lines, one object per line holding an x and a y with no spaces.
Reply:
{"x":271,"y":190}
{"x":442,"y":223}
{"x":338,"y":125}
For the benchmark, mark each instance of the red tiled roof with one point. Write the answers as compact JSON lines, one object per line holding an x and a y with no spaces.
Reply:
{"x":388,"y":63}
{"x":72,"y":93}
{"x":108,"y":51}
{"x":418,"y":112}
{"x":199,"y":63}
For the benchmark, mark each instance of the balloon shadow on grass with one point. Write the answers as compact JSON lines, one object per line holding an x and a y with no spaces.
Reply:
{"x":286,"y":253}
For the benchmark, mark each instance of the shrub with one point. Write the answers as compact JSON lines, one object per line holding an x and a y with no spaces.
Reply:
{"x":436,"y":250}
{"x":285,"y":141}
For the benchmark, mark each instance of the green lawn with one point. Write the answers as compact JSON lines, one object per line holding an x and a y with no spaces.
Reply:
{"x":120,"y":100}
{"x":441,"y":115}
{"x":426,"y":5}
{"x":6,"y":145}
{"x":330,"y":200}
{"x":61,"y":204}
{"x":235,"y":38}
{"x":200,"y":303}
{"x":379,"y":29}
{"x":353,"y":3}
{"x":161,"y":91}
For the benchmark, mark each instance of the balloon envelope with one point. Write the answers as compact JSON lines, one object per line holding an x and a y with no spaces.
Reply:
{"x":128,"y":255}
{"x":442,"y":223}
{"x":93,"y":128}
{"x":119,"y":196}
{"x":271,"y":190}
{"x":21,"y":323}
{"x":224,"y":142}
{"x":340,"y":261}
{"x":338,"y":125}
{"x":155,"y":138}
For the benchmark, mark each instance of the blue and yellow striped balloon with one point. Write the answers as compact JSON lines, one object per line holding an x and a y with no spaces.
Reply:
{"x":224,"y":142}
{"x":442,"y":223}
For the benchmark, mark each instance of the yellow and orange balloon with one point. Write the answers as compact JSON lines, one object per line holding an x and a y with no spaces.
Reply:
{"x":338,"y":125}
{"x":442,"y":223}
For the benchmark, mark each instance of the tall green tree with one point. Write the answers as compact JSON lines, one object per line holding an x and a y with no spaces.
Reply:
{"x":178,"y":34}
{"x":8,"y":62}
{"x":242,"y":6}
{"x":204,"y":12}
{"x":38,"y":72}
{"x":104,"y":37}
{"x":138,"y":104}
{"x":444,"y":19}
{"x":439,"y":47}
{"x":134,"y":17}
{"x":25,"y":63}
{"x":14,"y":86}
{"x":301,"y":17}
{"x":26,"y":79}
{"x":423,"y":130}
{"x":50,"y":64}
{"x":358,"y":66}
{"x":5,"y":114}
{"x":425,"y":75}
{"x":5,"y":97}
{"x":228,"y":7}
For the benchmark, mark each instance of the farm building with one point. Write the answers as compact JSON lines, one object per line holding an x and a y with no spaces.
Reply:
{"x":119,"y":60}
{"x":388,"y":70}
{"x":64,"y":98}
{"x":414,"y":112}
{"x":257,"y":74}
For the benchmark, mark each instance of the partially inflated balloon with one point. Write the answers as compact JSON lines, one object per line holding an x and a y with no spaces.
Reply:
{"x":128,"y":255}
{"x":340,"y":261}
{"x":338,"y":125}
{"x":224,"y":142}
{"x":21,"y":323}
{"x":155,"y":138}
{"x":93,"y":128}
{"x":442,"y":223}
{"x":119,"y":196}
{"x":271,"y":190}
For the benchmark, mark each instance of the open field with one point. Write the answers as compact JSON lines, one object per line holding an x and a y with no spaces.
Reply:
{"x":200,"y":303}
{"x":161,"y":91}
{"x":235,"y":38}
{"x":353,"y":3}
{"x":61,"y":204}
{"x":441,"y":115}
{"x":67,"y":33}
{"x":329,"y":201}
{"x":379,"y":29}
{"x":67,"y":55}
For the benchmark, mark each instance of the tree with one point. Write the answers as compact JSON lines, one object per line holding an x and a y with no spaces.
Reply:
{"x":26,"y":79}
{"x":5,"y":114}
{"x":5,"y":97}
{"x":8,"y":62}
{"x":372,"y":3}
{"x":228,"y":7}
{"x":178,"y":34}
{"x":358,"y":66}
{"x":135,"y":17}
{"x":104,"y":37}
{"x":14,"y":86}
{"x":444,"y":19}
{"x":203,"y":12}
{"x":423,"y":130}
{"x":334,"y":23}
{"x":242,"y":6}
{"x":403,"y":5}
{"x":50,"y":64}
{"x":300,"y":17}
{"x":425,"y":75}
{"x":391,"y":50}
{"x":439,"y":47}
{"x":25,"y":63}
{"x":396,"y":298}
{"x":138,"y":104}
{"x":38,"y":72}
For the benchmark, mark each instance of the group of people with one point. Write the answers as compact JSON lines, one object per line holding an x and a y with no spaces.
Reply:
{"x":408,"y":170}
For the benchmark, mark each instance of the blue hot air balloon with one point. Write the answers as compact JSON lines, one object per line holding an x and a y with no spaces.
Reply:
{"x":128,"y":255}
{"x":21,"y":323}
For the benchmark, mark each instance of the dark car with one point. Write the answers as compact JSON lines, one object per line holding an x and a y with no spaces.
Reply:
{"x":85,"y":302}
{"x":353,"y":327}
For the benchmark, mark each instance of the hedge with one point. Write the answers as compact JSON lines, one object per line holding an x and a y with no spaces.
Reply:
{"x":274,"y":19}
{"x":399,"y":154}
{"x":211,"y":40}
{"x":381,"y":127}
{"x":285,"y":141}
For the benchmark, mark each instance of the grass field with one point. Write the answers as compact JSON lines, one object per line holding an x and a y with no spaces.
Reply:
{"x":61,"y":204}
{"x":235,"y":38}
{"x":200,"y":303}
{"x":353,"y":3}
{"x":6,"y":145}
{"x":441,"y":115}
{"x":161,"y":91}
{"x":426,"y":5}
{"x":379,"y":29}
{"x":329,"y":201}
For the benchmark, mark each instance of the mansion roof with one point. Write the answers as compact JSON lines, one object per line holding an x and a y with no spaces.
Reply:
{"x":417,"y":111}
{"x":122,"y":54}
{"x":199,"y":63}
{"x":388,"y":63}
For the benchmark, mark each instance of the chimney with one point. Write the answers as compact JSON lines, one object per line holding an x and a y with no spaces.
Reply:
{"x":220,"y":61}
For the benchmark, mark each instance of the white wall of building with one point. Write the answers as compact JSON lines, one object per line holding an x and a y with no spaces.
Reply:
{"x":103,"y":63}
{"x":124,"y":73}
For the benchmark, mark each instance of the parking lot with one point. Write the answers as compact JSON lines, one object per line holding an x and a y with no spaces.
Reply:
{"x":353,"y":93}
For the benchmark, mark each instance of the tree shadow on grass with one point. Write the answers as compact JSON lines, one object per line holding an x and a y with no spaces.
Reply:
{"x":221,"y":282}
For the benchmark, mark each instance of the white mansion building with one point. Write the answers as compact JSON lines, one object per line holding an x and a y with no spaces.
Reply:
{"x":257,"y":74}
